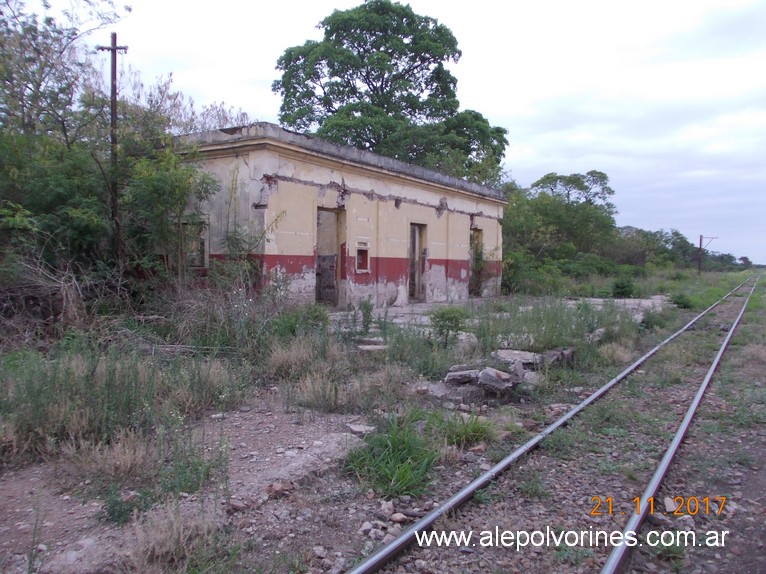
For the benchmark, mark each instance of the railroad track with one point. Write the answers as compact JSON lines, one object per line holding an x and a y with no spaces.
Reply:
{"x":606,"y":507}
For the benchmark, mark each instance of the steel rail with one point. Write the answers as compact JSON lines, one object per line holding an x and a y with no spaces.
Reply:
{"x":385,"y":554}
{"x":619,"y":554}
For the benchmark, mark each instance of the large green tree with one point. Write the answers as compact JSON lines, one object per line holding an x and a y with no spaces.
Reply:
{"x":56,"y":174}
{"x":378,"y":81}
{"x":592,"y":187}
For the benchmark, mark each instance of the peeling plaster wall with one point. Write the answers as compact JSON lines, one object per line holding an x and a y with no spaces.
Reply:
{"x":272,"y":188}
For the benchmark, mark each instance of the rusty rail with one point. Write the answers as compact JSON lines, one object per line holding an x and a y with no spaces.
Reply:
{"x":617,"y":558}
{"x":385,"y":554}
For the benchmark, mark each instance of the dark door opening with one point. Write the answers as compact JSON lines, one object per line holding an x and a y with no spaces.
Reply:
{"x":418,"y":254}
{"x":475,"y":262}
{"x":327,"y":253}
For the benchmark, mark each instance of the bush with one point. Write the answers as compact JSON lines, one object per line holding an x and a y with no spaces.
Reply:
{"x":366,"y":306}
{"x":682,"y":301}
{"x":588,"y":264}
{"x":447,"y":322}
{"x":658,"y":319}
{"x":305,"y":319}
{"x":523,"y":274}
{"x":623,"y":287}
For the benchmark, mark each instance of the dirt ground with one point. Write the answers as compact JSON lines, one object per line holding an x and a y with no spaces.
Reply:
{"x":291,"y":509}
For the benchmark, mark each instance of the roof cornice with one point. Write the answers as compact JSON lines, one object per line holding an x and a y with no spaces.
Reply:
{"x":262,"y":135}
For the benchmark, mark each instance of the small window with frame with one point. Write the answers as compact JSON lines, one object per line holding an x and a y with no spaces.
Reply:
{"x":362,"y":257}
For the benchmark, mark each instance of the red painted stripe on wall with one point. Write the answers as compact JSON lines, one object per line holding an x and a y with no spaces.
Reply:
{"x":394,"y":269}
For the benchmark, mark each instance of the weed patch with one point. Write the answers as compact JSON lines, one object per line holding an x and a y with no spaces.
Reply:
{"x":447,"y":322}
{"x":531,"y":486}
{"x":461,"y":431}
{"x":395,"y":461}
{"x":91,"y":397}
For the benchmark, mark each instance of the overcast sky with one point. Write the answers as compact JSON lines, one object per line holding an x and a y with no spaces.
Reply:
{"x":667,"y":97}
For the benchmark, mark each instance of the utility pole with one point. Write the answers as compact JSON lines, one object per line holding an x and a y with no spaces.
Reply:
{"x":699,"y":257}
{"x":114,"y":194}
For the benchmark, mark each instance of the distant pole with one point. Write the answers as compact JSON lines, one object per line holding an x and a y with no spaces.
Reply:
{"x":114,"y":195}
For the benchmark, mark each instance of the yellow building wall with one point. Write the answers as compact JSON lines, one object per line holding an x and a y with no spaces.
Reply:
{"x":275,"y":193}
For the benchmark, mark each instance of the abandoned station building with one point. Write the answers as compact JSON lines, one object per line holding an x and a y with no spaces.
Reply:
{"x":341,"y":225}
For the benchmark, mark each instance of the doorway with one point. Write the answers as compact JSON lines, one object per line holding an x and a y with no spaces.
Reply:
{"x":475,"y":262}
{"x":418,"y":253}
{"x":327,"y":256}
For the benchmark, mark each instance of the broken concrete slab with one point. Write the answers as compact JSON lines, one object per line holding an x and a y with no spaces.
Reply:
{"x":455,"y":368}
{"x":360,"y":430}
{"x":559,"y":355}
{"x":462,"y":377}
{"x":370,"y":341}
{"x":533,"y":378}
{"x":497,"y":382}
{"x":372,"y":348}
{"x":527,"y":359}
{"x":535,"y":361}
{"x":467,"y":394}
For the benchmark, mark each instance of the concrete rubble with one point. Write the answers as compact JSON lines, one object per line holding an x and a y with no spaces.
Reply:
{"x":470,"y":385}
{"x":498,"y":382}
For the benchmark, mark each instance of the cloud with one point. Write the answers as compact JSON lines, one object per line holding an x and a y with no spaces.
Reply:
{"x":667,"y":98}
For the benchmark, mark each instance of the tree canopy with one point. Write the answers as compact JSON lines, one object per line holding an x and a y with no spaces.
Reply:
{"x":592,"y":187}
{"x":378,"y":81}
{"x":60,"y":191}
{"x":563,"y":226}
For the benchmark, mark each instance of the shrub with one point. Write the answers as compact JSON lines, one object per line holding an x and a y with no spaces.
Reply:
{"x":304,"y":319}
{"x":623,"y":287}
{"x":366,"y":306}
{"x":447,"y":322}
{"x":682,"y":301}
{"x":589,"y":264}
{"x":652,"y":319}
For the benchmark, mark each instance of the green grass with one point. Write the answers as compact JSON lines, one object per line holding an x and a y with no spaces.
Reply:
{"x":611,"y":417}
{"x":566,"y":443}
{"x":531,"y":486}
{"x":181,"y":463}
{"x":411,"y":346}
{"x":395,"y":461}
{"x":671,"y":553}
{"x":91,"y":396}
{"x":572,"y":555}
{"x":460,"y":431}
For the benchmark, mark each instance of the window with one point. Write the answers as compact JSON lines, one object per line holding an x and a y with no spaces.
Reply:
{"x":362,"y":257}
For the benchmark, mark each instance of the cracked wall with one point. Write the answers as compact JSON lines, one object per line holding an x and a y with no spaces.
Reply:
{"x":277,"y":192}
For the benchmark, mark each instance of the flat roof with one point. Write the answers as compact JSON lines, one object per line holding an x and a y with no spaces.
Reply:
{"x":265,"y":130}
